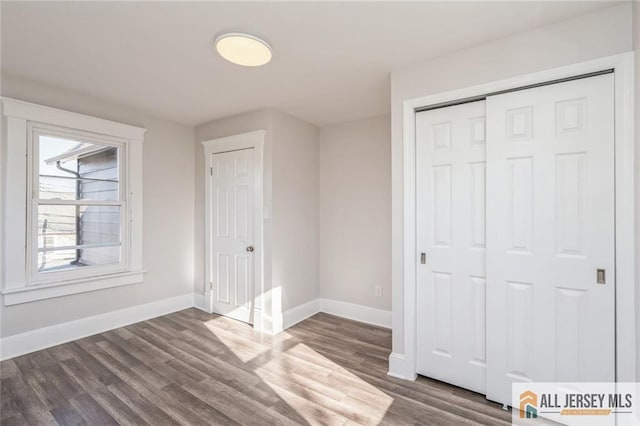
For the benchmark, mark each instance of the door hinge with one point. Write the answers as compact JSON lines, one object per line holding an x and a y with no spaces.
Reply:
{"x":211,"y":285}
{"x":423,"y":258}
{"x":211,"y":171}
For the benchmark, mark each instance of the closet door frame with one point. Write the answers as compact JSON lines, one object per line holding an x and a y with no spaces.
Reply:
{"x":403,"y":364}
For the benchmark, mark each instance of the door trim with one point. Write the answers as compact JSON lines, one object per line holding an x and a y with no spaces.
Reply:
{"x":250,"y":140}
{"x":402,"y":361}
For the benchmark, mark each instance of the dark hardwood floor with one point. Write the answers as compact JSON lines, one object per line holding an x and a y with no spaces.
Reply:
{"x":194,"y":368}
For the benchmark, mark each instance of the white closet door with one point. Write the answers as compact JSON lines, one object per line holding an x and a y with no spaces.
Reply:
{"x":451,"y":234}
{"x":550,"y":227}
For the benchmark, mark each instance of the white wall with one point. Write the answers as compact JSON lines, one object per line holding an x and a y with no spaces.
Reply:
{"x":606,"y":32}
{"x":168,"y":214}
{"x":355,"y":212}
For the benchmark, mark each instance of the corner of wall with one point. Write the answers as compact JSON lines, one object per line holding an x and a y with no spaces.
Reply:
{"x":294,"y":209}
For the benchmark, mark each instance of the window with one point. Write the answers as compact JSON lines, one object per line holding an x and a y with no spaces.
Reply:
{"x":76,"y":206}
{"x":79,"y":209}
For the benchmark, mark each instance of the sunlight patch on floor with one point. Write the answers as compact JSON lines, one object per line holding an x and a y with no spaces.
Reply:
{"x":244,"y":342}
{"x":242,"y":348}
{"x":308,"y":382}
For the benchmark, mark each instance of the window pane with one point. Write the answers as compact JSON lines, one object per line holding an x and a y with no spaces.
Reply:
{"x":59,"y":260}
{"x":56,"y":260}
{"x":76,"y":170}
{"x":64,"y":226}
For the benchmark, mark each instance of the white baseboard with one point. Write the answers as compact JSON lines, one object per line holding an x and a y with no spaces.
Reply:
{"x":366,"y":314}
{"x":300,"y":313}
{"x":361,"y":313}
{"x":400,"y":368}
{"x":46,"y":337}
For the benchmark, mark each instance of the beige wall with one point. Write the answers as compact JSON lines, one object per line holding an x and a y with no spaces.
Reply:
{"x":603,"y":33}
{"x":355,"y":212}
{"x":168,"y":214}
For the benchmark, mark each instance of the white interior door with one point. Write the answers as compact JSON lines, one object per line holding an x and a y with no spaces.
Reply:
{"x":550,"y":228}
{"x":451,"y":234}
{"x":231,"y":262}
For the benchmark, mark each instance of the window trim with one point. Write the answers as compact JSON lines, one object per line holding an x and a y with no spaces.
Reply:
{"x":20,"y":122}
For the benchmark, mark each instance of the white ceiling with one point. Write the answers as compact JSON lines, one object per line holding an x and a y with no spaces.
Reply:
{"x":331,"y":60}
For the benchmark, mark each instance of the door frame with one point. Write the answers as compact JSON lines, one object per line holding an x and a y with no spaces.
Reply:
{"x":249,"y":140}
{"x":403,"y":365}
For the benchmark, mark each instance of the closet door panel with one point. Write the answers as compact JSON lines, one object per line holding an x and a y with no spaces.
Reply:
{"x":451,"y":234}
{"x":550,"y":228}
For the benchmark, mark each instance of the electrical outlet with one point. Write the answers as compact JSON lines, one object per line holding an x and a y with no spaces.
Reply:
{"x":378,"y":291}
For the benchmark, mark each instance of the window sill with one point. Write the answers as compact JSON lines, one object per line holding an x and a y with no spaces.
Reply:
{"x":17,"y":296}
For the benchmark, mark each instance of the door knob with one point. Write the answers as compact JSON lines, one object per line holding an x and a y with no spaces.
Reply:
{"x":250,"y":249}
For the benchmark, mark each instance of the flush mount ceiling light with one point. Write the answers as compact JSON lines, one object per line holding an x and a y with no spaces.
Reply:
{"x":243,"y":49}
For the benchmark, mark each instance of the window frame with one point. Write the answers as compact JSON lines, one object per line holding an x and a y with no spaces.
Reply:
{"x":35,"y":277}
{"x":21,"y":125}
